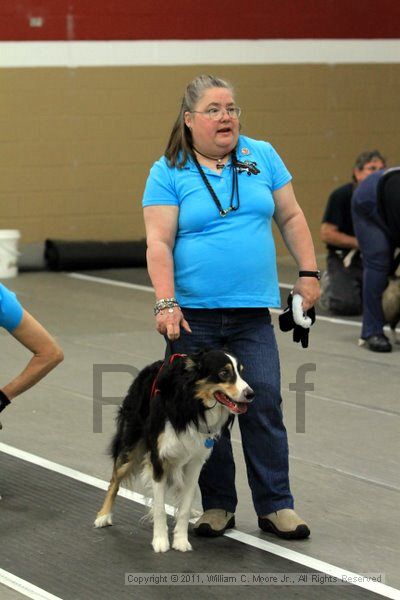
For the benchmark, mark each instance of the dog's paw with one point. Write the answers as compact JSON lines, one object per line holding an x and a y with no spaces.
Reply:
{"x":103,"y":520}
{"x":160,"y":544}
{"x":182,"y":544}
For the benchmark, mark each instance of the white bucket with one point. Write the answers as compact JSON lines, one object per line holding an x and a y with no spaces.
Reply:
{"x":9,"y":253}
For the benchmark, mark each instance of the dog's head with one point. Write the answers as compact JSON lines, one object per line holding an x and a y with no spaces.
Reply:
{"x":219,"y":379}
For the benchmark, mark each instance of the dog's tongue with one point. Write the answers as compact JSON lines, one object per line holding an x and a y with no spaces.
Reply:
{"x":236,"y":407}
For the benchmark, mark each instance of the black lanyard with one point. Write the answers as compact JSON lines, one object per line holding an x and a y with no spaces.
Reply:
{"x":235,"y":186}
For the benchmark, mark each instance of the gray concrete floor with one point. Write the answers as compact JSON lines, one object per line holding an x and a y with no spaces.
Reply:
{"x":344,"y":467}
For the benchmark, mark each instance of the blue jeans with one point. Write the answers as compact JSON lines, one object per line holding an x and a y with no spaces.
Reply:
{"x":377,"y":251}
{"x":248,"y":334}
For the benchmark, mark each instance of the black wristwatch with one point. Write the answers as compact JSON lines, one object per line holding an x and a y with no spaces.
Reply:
{"x":316,"y":274}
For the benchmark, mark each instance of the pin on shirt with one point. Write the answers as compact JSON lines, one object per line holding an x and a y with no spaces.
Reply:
{"x":248,"y":166}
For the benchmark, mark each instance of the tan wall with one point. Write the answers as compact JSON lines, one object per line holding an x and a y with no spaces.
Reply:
{"x":76,"y":144}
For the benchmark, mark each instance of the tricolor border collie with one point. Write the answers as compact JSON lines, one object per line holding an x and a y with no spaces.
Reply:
{"x":166,"y":428}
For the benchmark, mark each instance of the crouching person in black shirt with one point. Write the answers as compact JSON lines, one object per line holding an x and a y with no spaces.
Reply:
{"x":341,"y":285}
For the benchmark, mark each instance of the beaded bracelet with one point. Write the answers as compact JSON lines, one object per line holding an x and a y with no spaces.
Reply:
{"x":163,"y":303}
{"x":4,"y":401}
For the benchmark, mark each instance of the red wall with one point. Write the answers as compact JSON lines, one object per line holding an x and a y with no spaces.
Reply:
{"x":198,"y":19}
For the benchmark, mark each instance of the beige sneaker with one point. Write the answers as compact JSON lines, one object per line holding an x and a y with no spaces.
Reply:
{"x":286,"y":524}
{"x":214,"y":522}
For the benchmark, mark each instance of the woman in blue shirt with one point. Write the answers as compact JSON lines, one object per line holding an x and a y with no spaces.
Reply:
{"x":47,"y":354}
{"x":208,"y":208}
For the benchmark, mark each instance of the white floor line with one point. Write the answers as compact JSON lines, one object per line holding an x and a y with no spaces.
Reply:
{"x":377,"y":482}
{"x":335,"y":320}
{"x":374,"y":409}
{"x":104,"y":280}
{"x":148,"y":288}
{"x":312,"y":563}
{"x":250,"y":540}
{"x":286,"y":286}
{"x":24,"y":587}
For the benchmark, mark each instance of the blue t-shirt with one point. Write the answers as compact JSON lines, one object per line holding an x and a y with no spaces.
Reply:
{"x":223,"y":262}
{"x":11,"y":311}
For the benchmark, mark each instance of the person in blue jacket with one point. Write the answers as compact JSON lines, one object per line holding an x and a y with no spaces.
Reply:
{"x":47,"y":354}
{"x":208,"y":209}
{"x":376,"y":218}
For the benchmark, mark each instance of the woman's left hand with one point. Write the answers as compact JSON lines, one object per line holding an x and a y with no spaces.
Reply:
{"x":309,"y":290}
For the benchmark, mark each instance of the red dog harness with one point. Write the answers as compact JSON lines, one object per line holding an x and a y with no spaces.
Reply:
{"x":154,"y":388}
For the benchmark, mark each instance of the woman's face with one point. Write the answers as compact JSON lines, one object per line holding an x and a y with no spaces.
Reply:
{"x":214,"y":137}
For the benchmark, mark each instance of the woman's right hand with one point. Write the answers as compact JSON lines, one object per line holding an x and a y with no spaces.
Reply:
{"x":169,"y":323}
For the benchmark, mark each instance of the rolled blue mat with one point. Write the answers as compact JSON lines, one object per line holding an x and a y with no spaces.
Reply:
{"x":64,"y":255}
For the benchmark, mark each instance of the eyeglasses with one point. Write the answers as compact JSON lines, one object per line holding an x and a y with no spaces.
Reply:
{"x":217,"y":113}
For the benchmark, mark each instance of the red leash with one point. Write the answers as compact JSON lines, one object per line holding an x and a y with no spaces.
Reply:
{"x":154,"y":389}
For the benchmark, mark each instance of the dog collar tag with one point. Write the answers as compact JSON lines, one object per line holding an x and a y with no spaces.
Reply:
{"x":209,"y":442}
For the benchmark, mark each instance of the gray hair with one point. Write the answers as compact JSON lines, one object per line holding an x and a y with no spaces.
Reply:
{"x":366,"y":157}
{"x":180,"y":141}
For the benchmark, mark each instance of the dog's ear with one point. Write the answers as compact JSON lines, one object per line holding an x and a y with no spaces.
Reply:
{"x":190,"y":364}
{"x":194,"y":361}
